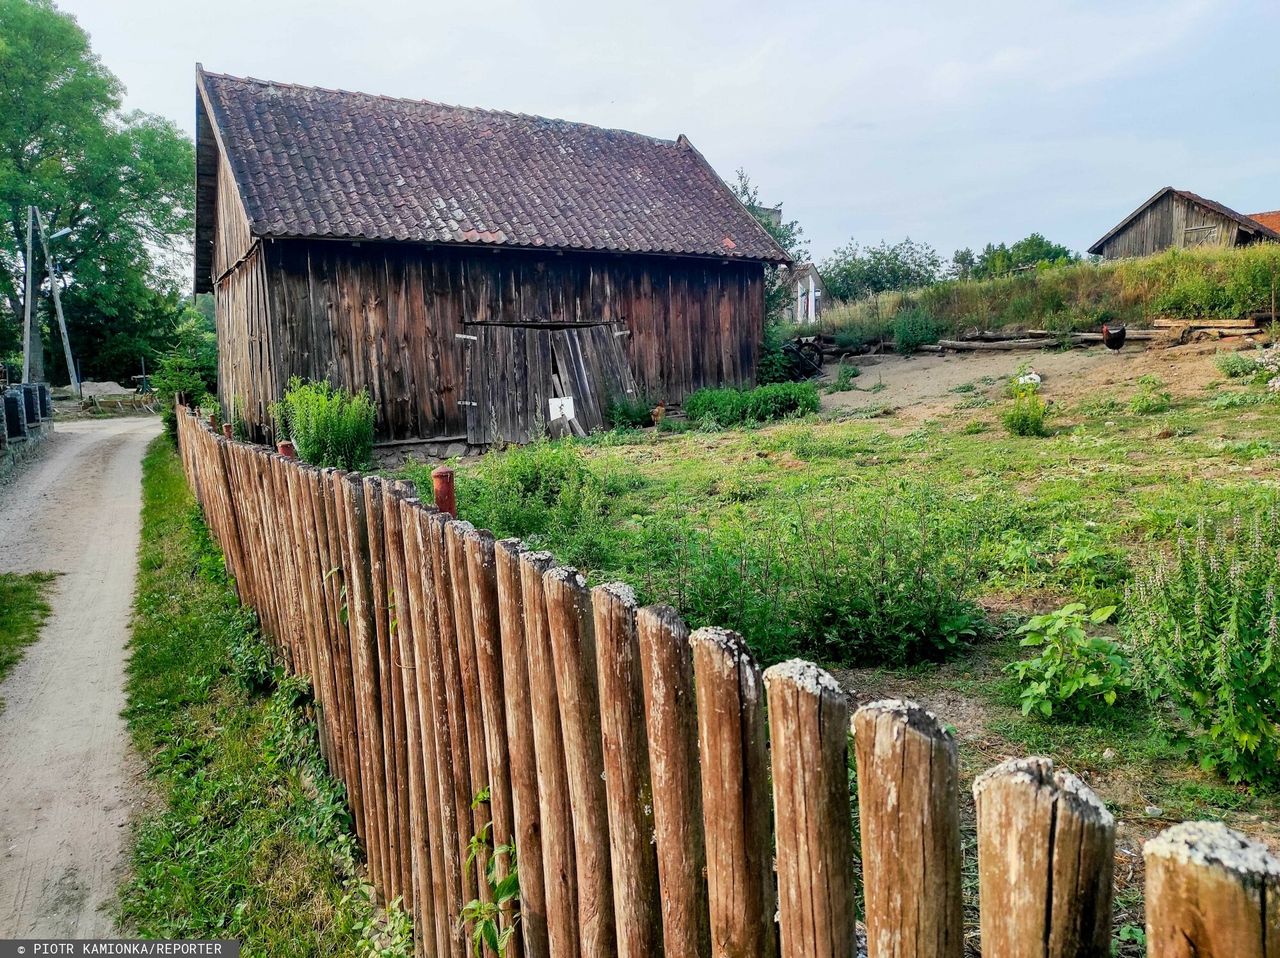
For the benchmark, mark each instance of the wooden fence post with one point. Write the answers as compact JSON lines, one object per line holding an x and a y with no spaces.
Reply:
{"x":438,"y":754}
{"x":636,"y":900}
{"x":909,"y":810}
{"x":1211,"y":893}
{"x":1045,"y":858}
{"x":520,"y":742}
{"x":809,"y":738}
{"x":666,"y":664}
{"x":457,"y":770}
{"x":573,"y":649}
{"x":735,"y":795}
{"x":554,"y":806}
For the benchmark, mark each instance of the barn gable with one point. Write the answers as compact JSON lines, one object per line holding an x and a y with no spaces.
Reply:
{"x":1181,"y":219}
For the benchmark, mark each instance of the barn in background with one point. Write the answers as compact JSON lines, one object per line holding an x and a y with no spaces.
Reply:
{"x":465,"y":266}
{"x":1178,"y":218}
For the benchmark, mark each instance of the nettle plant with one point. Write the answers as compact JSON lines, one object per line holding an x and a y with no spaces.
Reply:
{"x":493,"y":919}
{"x":1074,"y":672}
{"x":1205,"y":626}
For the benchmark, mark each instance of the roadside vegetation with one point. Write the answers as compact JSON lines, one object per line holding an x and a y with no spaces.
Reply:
{"x":23,"y":609}
{"x":249,"y":837}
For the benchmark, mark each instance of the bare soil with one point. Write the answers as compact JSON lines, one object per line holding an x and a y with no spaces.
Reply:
{"x":925,"y":386}
{"x":68,"y":779}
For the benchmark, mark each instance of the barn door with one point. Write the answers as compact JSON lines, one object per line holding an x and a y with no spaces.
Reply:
{"x":513,"y":373}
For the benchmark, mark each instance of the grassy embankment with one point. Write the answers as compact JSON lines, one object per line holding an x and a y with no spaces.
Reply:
{"x":1080,"y":296}
{"x":249,"y":838}
{"x":23,"y":610}
{"x":800,"y":535}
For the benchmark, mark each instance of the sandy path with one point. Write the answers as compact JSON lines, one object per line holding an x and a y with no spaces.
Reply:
{"x":66,"y":770}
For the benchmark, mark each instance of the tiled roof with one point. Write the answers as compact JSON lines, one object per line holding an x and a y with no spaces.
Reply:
{"x":1271,"y":220}
{"x":326,"y":163}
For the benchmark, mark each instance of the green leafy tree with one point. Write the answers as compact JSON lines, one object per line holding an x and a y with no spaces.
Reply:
{"x":788,"y":234}
{"x":123,"y":183}
{"x":854,"y":271}
{"x":999,"y":260}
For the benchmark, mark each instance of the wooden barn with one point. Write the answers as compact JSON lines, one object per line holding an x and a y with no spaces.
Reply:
{"x":468,"y":267}
{"x":1182,"y":219}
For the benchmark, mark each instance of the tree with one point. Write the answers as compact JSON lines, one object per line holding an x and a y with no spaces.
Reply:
{"x":122,"y":183}
{"x":853,"y":271}
{"x":1000,"y":260}
{"x":963,"y":263}
{"x":788,"y":234}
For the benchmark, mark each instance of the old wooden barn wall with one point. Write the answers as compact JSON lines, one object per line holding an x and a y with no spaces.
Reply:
{"x":1173,"y":221}
{"x":387,"y":317}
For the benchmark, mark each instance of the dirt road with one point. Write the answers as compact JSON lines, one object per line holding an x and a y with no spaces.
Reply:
{"x":67,"y":775}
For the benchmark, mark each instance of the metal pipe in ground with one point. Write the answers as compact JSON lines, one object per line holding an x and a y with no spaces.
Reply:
{"x":442,"y":488}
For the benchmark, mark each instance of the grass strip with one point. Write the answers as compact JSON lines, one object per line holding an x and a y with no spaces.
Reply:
{"x":23,"y":609}
{"x":250,"y":837}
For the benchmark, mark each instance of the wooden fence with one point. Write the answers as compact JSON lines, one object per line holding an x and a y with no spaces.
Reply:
{"x":664,"y":796}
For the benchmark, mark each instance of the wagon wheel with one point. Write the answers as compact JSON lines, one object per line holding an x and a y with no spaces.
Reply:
{"x":812,"y":355}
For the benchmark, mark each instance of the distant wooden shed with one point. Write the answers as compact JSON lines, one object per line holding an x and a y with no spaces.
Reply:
{"x":1179,"y":218}
{"x":466,"y":266}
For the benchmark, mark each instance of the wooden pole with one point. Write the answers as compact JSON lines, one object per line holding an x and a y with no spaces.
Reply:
{"x":573,"y":651}
{"x":438,"y":743}
{"x":636,"y":901}
{"x":457,"y":769}
{"x":554,"y":806}
{"x":809,"y":736}
{"x":735,"y":795}
{"x":482,"y":573}
{"x":1045,"y":857}
{"x":227,"y":430}
{"x":909,"y":805}
{"x":287,"y":449}
{"x":524,"y":773}
{"x":57,"y":304}
{"x":671,"y":720}
{"x":1211,"y":893}
{"x":442,"y":487}
{"x":30,"y":336}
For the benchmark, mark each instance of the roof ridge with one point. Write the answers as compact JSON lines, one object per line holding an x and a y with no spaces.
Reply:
{"x":419,"y":101}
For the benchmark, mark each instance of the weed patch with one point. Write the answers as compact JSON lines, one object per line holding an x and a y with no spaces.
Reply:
{"x":23,"y":609}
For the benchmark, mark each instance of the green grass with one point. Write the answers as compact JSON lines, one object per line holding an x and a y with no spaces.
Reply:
{"x":23,"y":609}
{"x":250,"y":838}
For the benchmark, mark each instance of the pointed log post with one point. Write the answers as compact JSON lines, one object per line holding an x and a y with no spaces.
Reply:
{"x":909,"y":809}
{"x":532,"y":933}
{"x":554,"y":805}
{"x":636,"y":900}
{"x":671,"y":720}
{"x":1045,"y":858}
{"x":735,"y":795}
{"x":1211,"y":893}
{"x":573,"y":649}
{"x":809,"y":741}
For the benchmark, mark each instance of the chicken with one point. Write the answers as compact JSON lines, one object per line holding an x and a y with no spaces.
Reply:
{"x":1112,"y":336}
{"x":658,"y":412}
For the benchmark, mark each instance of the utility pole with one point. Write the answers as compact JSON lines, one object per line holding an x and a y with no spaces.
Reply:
{"x":57,"y":304}
{"x":32,"y":347}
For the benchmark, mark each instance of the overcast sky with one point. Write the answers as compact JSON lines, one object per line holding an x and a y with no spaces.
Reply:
{"x":953,"y":123}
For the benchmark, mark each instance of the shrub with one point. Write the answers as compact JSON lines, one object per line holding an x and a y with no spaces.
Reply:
{"x":1236,"y":365}
{"x":1073,"y":671}
{"x":629,"y":412}
{"x":912,"y":328}
{"x":1027,"y":414}
{"x":328,"y":426}
{"x":730,"y":407}
{"x":1204,"y":623}
{"x":179,"y":376}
